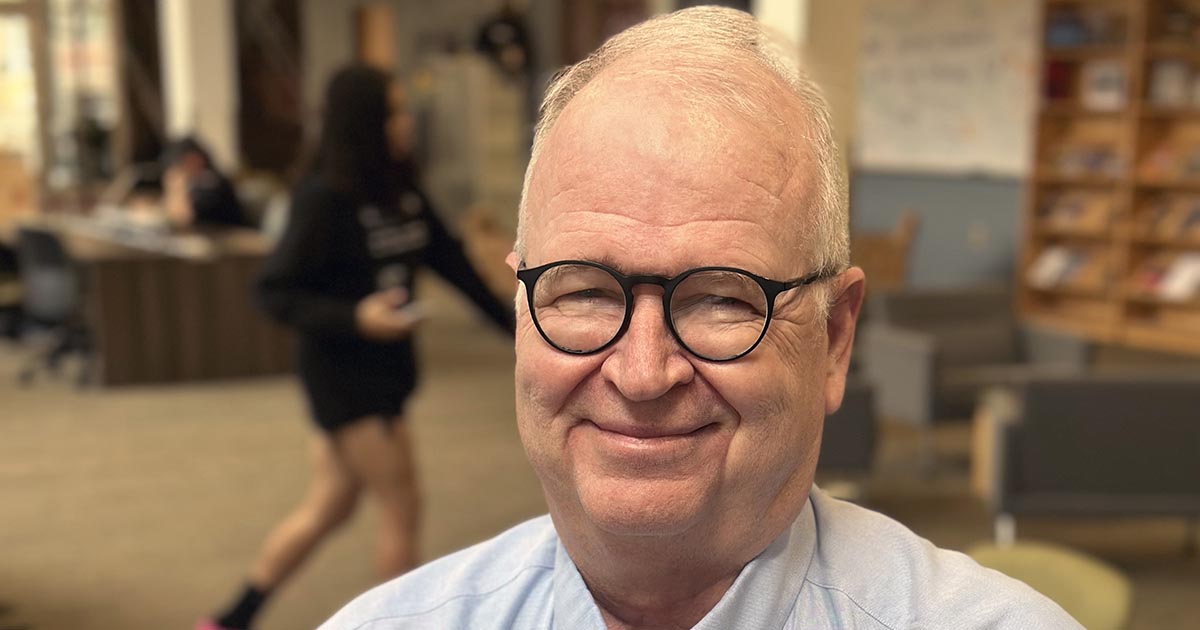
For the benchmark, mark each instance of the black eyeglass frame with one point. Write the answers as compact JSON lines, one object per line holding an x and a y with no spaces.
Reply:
{"x":770,"y":288}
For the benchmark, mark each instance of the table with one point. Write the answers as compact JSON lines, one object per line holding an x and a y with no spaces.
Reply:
{"x":160,"y":313}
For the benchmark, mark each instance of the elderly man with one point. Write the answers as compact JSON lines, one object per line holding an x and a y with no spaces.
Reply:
{"x":684,"y":326}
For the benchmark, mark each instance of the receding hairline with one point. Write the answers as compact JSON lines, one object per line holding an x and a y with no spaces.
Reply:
{"x":773,"y":112}
{"x":706,"y":39}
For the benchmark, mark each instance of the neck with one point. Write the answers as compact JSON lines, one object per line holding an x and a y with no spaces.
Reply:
{"x":671,"y":590}
{"x":669,"y":581}
{"x":657,"y":581}
{"x":645,"y":611}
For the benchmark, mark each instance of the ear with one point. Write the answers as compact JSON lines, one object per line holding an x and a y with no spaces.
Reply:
{"x":843,"y":318}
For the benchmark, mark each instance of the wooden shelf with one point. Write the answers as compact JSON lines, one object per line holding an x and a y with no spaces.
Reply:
{"x":1189,"y":185}
{"x":1149,"y":240}
{"x":1083,"y":3}
{"x":1071,"y":109}
{"x":1141,"y":297}
{"x":1170,"y":113}
{"x":1176,"y":50}
{"x":1058,"y":179}
{"x":1153,"y":336}
{"x":1119,"y":311}
{"x":1086,"y":52}
{"x":1047,"y":231}
{"x":1066,"y":290}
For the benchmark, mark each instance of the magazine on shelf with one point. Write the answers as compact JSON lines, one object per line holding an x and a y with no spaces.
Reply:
{"x":1103,"y":85}
{"x":1055,"y":266}
{"x":1181,"y":282}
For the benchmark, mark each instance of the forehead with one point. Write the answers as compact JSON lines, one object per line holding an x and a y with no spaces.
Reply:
{"x":634,"y":167}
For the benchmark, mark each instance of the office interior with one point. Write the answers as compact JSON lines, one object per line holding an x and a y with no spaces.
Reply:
{"x":1025,"y":201}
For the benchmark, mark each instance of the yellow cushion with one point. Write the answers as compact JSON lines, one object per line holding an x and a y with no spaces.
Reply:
{"x":1096,"y":594}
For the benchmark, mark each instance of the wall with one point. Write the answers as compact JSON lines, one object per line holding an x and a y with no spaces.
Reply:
{"x":969,"y":231}
{"x":788,"y":17}
{"x":827,"y":34}
{"x":832,"y":51}
{"x":328,"y":33}
{"x":327,"y":42}
{"x":970,"y":226}
{"x":199,"y":74}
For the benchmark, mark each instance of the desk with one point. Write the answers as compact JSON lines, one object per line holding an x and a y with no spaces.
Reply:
{"x":158,"y":317}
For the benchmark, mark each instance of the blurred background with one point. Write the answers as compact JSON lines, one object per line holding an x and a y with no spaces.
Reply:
{"x":1025,"y":200}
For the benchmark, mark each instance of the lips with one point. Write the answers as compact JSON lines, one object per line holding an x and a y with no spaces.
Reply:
{"x":649,"y":432}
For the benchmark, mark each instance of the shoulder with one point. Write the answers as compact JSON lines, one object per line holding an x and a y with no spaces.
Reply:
{"x":491,"y":584}
{"x":870,"y":567}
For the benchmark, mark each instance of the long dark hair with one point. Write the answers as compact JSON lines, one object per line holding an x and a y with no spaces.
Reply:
{"x":353,"y":150}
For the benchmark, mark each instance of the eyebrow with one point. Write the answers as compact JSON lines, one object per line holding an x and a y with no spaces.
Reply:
{"x":609,"y":261}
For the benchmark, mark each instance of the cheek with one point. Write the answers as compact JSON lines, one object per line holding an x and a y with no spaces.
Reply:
{"x":779,"y":398}
{"x":545,"y":379}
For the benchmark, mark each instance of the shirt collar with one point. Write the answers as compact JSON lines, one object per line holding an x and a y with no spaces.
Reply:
{"x":762,"y":596}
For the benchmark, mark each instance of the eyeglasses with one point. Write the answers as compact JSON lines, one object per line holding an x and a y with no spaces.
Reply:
{"x":715,"y":313}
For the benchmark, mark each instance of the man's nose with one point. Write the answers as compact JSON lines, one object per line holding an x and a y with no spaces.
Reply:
{"x":647,"y":362}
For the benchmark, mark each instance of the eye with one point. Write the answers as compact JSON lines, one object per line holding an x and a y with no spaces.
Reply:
{"x":728,"y":306}
{"x":718,"y":297}
{"x":725,"y":301}
{"x":578,"y":287}
{"x":595,"y":295}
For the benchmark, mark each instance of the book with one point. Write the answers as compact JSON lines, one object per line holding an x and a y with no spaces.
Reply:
{"x":1055,"y":267}
{"x":1170,"y":82}
{"x":1103,"y":85}
{"x":1181,"y":281}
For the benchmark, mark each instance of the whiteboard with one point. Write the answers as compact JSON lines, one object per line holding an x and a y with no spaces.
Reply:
{"x":947,"y":86}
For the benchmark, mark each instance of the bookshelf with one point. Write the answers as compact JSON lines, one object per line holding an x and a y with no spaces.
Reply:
{"x":1112,"y":212}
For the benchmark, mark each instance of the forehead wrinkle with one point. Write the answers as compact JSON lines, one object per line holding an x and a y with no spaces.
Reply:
{"x":673,"y":199}
{"x":659,"y":222}
{"x":649,"y":237}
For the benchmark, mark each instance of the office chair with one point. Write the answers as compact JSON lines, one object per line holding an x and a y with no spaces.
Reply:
{"x":10,"y":294}
{"x":52,"y":292}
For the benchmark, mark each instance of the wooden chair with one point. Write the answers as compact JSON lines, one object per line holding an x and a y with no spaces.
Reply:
{"x":884,"y":256}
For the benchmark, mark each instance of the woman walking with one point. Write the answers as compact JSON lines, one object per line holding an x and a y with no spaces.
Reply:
{"x":342,"y":276}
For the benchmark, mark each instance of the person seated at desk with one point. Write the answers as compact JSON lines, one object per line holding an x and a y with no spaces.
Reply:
{"x":195,"y":193}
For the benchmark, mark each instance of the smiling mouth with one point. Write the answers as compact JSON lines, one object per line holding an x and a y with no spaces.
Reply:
{"x":650,"y":433}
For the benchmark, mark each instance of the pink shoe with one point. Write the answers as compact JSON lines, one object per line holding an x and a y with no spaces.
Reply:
{"x":208,"y":624}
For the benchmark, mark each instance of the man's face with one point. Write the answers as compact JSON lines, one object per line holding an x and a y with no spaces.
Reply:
{"x":643,"y":438}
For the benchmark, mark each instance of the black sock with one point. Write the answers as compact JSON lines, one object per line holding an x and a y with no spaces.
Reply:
{"x":243,"y":611}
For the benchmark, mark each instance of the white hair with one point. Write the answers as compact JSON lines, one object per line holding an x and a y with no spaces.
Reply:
{"x":702,"y":50}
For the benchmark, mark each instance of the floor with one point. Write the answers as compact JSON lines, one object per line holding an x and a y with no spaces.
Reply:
{"x":139,"y":508}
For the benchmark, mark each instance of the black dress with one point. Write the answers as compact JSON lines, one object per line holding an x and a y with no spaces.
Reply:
{"x":335,"y":251}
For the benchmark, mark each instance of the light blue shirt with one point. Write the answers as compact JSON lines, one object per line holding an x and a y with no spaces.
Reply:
{"x":839,"y":566}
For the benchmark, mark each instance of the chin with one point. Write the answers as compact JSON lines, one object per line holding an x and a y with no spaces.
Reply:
{"x":653,"y":507}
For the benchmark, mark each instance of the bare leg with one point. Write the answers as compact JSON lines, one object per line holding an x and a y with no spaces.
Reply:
{"x":381,"y":457}
{"x":332,"y":496}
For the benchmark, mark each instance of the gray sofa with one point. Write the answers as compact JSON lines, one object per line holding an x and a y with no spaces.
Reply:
{"x":848,"y":441}
{"x":931,"y":352}
{"x":1108,"y":444}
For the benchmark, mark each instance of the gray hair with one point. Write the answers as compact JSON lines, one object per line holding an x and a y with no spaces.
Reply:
{"x":708,"y":41}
